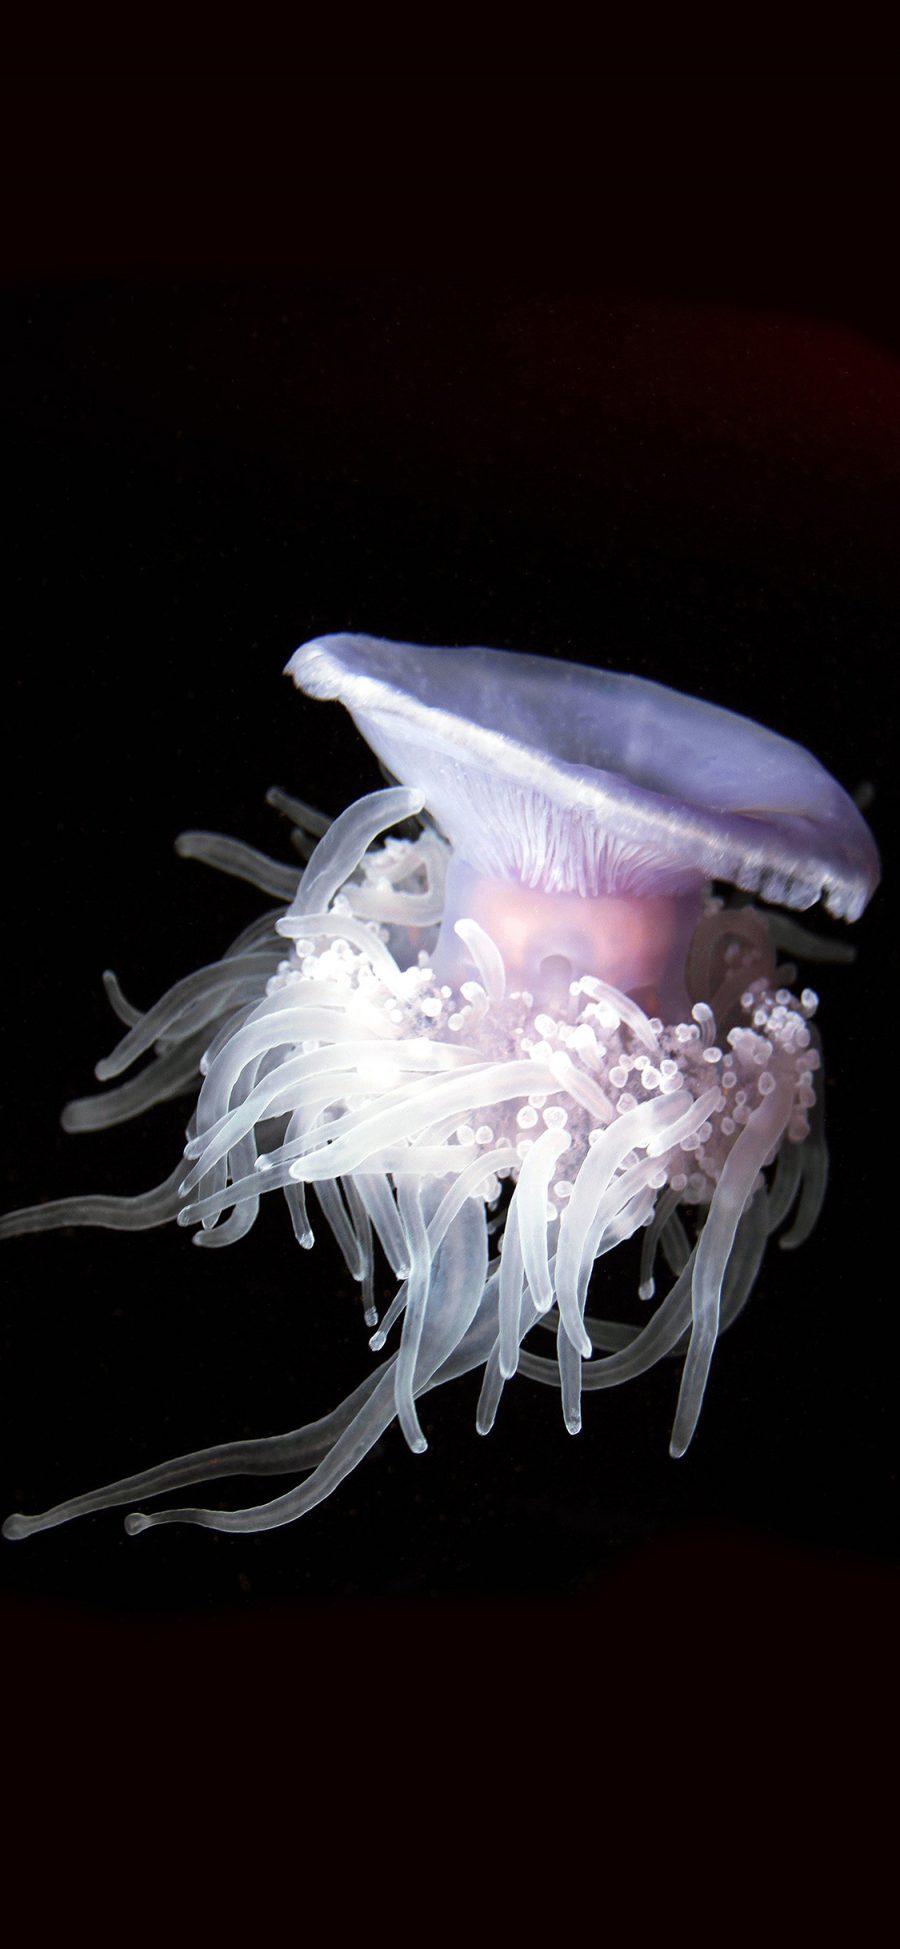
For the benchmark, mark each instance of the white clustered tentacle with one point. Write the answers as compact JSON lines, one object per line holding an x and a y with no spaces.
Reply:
{"x":597,"y":1110}
{"x":430,"y":1118}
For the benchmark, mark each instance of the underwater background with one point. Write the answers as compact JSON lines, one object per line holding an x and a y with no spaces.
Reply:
{"x":693,"y":485}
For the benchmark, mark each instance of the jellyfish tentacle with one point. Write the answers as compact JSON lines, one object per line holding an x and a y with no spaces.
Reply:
{"x":336,"y":1443}
{"x":409,"y":1199}
{"x":269,"y":1455}
{"x":214,"y":983}
{"x":346,"y":841}
{"x":113,"y":1214}
{"x":666,"y":1207}
{"x":786,"y":1184}
{"x":569,"y":1362}
{"x":172,"y":1074}
{"x":761,"y":1133}
{"x":647,"y":1345}
{"x":458,"y":1286}
{"x":747,"y":1252}
{"x":814,"y":1180}
{"x":239,"y":861}
{"x":646,"y":1125}
{"x":530,"y":1202}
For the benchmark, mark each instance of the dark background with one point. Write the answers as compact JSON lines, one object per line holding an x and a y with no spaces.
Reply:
{"x":686,"y":475}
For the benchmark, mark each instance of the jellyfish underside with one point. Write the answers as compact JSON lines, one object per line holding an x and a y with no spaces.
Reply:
{"x":492,"y":1143}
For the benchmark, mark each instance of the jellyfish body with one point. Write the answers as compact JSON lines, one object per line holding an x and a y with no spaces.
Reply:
{"x":504,"y":1046}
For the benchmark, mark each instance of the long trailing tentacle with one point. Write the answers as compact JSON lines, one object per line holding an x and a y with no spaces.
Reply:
{"x":332,"y":1446}
{"x":114,"y":1214}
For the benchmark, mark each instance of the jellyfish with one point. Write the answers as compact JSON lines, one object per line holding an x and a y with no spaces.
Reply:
{"x":516,"y":1009}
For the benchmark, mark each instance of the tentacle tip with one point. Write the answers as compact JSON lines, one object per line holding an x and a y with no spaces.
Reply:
{"x":791,"y":1240}
{"x":377,"y":1341}
{"x":679,"y":1446}
{"x":15,"y":1527}
{"x":136,"y":1522}
{"x":573,"y":1424}
{"x":483,"y":1427}
{"x":509,"y":1365}
{"x":104,"y":1069}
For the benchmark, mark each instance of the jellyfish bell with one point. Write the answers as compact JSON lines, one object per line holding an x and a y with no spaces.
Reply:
{"x":587,"y":811}
{"x":497,"y":1050}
